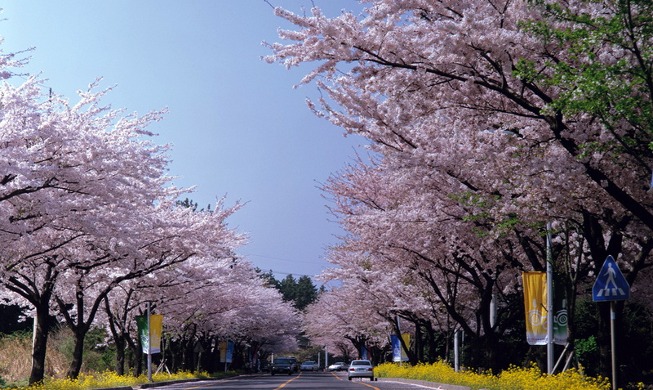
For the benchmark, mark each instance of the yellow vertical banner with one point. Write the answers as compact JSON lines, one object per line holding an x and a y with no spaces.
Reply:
{"x":404,"y":354}
{"x":223,"y":351}
{"x":156,"y":329}
{"x":535,"y":296}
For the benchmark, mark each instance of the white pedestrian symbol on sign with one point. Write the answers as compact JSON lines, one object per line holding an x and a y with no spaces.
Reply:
{"x":610,"y":285}
{"x":606,"y":290}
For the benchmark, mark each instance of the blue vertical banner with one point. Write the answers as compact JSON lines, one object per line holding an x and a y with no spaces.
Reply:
{"x":398,"y":353}
{"x":396,"y":348}
{"x":230,"y":352}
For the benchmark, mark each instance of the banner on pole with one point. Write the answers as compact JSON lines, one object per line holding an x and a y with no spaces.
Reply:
{"x":535,"y":307}
{"x":150,"y":337}
{"x":226,"y":351}
{"x":398,"y":353}
{"x":535,"y":301}
{"x":364,"y":353}
{"x":223,"y":351}
{"x":230,"y":352}
{"x":560,"y":315}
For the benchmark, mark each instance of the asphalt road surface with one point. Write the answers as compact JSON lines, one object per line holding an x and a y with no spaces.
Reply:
{"x":304,"y":380}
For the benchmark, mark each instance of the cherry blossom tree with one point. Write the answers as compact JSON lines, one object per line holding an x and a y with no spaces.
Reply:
{"x":347,"y":313}
{"x":323,"y":327}
{"x":431,"y":259}
{"x":92,"y":227}
{"x":489,"y":117}
{"x":88,"y":205}
{"x":174,"y":235}
{"x":205,"y":302}
{"x":53,"y":178}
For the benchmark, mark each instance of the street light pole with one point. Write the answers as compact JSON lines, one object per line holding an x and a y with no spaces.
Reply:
{"x":549,"y":301}
{"x":149,"y":345}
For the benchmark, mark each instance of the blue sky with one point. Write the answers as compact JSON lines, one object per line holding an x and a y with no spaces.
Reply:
{"x":236,"y":125}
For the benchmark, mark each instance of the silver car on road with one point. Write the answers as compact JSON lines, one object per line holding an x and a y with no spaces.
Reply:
{"x":360,"y":369}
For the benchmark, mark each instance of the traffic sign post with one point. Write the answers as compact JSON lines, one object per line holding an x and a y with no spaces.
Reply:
{"x":611,"y":286}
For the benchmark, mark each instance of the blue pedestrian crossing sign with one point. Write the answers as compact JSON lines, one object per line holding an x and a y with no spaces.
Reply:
{"x":610,"y":284}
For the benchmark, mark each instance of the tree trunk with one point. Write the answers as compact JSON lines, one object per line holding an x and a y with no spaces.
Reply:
{"x":432,"y":356}
{"x":137,"y":351}
{"x":419,"y":342}
{"x":41,"y":303}
{"x":40,"y":341}
{"x":121,"y":345}
{"x":119,"y":338}
{"x":78,"y":354}
{"x":173,"y":353}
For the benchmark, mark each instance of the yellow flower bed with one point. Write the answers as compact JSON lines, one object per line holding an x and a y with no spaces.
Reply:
{"x":514,"y":378}
{"x":110,"y":379}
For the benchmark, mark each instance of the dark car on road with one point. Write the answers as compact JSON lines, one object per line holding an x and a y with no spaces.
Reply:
{"x":284,"y":365}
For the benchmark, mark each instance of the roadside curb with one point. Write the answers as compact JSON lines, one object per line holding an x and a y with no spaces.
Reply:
{"x":425,"y":384}
{"x":166,"y":383}
{"x":163,"y":383}
{"x":114,"y":388}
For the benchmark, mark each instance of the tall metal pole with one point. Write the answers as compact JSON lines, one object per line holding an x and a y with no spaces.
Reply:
{"x":493,"y":310}
{"x":456,"y":361}
{"x":149,"y":345}
{"x":613,"y":344}
{"x":549,"y":302}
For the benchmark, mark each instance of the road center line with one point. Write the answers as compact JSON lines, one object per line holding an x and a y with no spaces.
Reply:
{"x":288,"y":381}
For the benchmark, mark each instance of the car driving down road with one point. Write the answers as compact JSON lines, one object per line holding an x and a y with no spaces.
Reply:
{"x":284,"y":365}
{"x":309,"y":365}
{"x":360,"y":369}
{"x":337,"y":366}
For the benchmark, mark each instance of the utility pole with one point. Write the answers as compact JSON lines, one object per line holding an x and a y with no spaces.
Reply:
{"x":549,"y":302}
{"x":149,"y":345}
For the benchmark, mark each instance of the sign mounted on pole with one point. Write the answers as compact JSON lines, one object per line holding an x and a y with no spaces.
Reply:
{"x":610,"y":284}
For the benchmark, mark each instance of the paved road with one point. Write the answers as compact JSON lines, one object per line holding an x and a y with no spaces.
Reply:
{"x":305,"y":380}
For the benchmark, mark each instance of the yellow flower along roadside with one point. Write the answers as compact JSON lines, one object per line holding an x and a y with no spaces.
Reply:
{"x":110,"y":379}
{"x":515,"y":378}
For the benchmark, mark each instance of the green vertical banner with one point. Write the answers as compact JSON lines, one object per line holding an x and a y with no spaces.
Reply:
{"x":560,"y":316}
{"x":150,"y":337}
